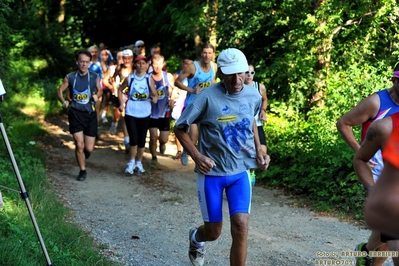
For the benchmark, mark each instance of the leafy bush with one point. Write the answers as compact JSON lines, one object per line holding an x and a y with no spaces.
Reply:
{"x":308,"y":155}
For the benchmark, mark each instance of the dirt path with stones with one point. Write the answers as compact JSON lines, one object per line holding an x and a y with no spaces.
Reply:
{"x":144,"y":219}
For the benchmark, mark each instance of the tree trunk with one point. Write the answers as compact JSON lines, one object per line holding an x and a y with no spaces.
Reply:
{"x":212,"y":21}
{"x":61,"y":16}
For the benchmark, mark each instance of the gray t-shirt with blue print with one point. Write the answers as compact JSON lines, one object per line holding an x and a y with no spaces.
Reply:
{"x":225,"y":127}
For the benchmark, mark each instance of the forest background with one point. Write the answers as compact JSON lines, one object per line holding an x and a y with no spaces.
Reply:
{"x":316,"y":58}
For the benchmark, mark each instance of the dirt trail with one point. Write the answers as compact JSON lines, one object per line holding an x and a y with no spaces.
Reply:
{"x":144,"y":219}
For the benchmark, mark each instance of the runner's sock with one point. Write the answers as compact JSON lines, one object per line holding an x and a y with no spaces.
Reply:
{"x":194,"y":240}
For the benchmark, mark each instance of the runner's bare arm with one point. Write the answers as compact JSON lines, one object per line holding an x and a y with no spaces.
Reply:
{"x":377,"y":135}
{"x":99,"y":91}
{"x":120,"y":94}
{"x":107,"y":78}
{"x":215,"y":66}
{"x":263,"y":115}
{"x":261,"y":156}
{"x":203,"y":163}
{"x":120,"y":99}
{"x":171,"y":80}
{"x":362,"y":112}
{"x":153,"y":91}
{"x":171,"y":90}
{"x":367,"y":150}
{"x":187,"y":72}
{"x":60,"y":93}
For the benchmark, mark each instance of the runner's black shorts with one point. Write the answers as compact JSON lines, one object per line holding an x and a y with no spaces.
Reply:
{"x":163,"y":124}
{"x":262,"y":136}
{"x":82,"y":121}
{"x":115,"y":101}
{"x":106,"y":90}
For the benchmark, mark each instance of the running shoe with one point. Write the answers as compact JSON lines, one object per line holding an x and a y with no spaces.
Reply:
{"x":130,"y":168}
{"x":139,"y":168}
{"x":82,"y":175}
{"x":112,"y":129}
{"x":184,"y":158}
{"x":196,"y":254}
{"x":162,"y":148}
{"x":363,"y":261}
{"x":104,"y":120}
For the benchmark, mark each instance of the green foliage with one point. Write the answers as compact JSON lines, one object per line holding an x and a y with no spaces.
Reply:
{"x":174,"y":64}
{"x":308,"y":159}
{"x":319,"y":161}
{"x":27,"y":92}
{"x":42,"y":38}
{"x":318,"y":59}
{"x":28,"y":97}
{"x":5,"y":40}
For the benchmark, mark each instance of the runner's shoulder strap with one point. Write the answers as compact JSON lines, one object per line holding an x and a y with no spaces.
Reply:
{"x":131,"y":79}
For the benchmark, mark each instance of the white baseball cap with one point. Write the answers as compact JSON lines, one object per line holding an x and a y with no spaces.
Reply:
{"x":139,"y":43}
{"x":127,"y":52}
{"x":232,"y":61}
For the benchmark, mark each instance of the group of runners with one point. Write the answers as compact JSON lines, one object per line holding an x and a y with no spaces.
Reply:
{"x":149,"y":113}
{"x":148,"y":96}
{"x":231,"y":113}
{"x":375,"y":160}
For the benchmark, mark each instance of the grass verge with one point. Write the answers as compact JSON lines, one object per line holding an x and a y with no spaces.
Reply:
{"x":66,"y":243}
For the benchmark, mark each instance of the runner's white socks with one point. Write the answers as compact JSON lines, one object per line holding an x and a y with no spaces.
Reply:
{"x":194,"y":240}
